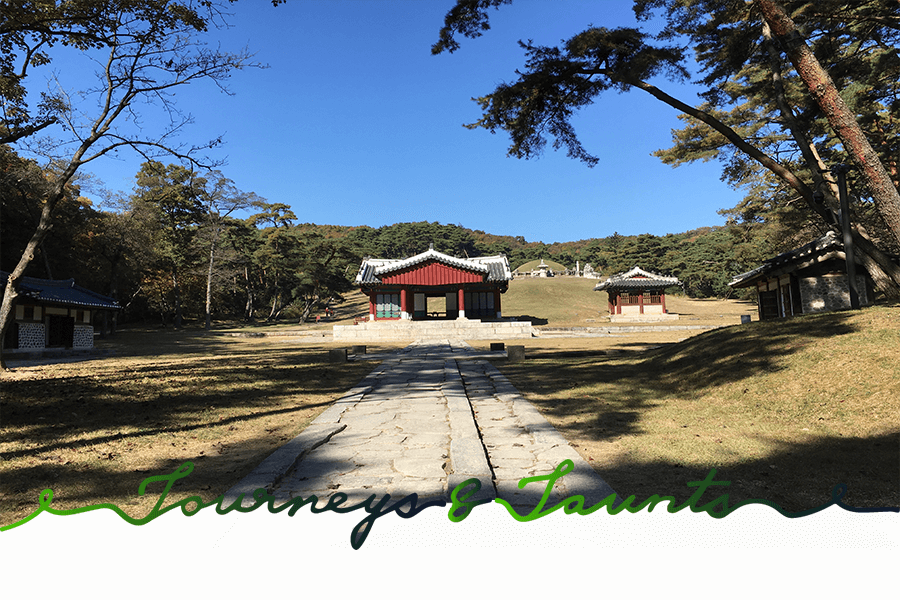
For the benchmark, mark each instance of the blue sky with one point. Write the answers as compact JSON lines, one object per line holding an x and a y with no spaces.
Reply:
{"x":356,"y":123}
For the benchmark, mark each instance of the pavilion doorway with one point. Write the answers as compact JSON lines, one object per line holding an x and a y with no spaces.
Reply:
{"x":434,"y":307}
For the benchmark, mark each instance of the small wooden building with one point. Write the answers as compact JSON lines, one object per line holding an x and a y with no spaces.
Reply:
{"x":53,"y":313}
{"x":400,"y":288}
{"x":638,"y":295}
{"x":808,"y":279}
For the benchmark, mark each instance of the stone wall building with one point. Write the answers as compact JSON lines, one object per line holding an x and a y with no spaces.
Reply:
{"x":808,"y":279}
{"x":52,"y":313}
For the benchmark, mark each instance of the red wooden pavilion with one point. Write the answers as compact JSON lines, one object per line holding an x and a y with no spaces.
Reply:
{"x":637,"y":292}
{"x":400,"y":288}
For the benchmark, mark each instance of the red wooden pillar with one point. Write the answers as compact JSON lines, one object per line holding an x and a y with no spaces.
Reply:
{"x":641,"y":302}
{"x":372,"y":305}
{"x":497,"y":312}
{"x":462,"y":304}
{"x":662,"y":297}
{"x":404,"y":302}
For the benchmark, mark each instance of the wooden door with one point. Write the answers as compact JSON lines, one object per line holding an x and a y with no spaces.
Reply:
{"x":61,"y":331}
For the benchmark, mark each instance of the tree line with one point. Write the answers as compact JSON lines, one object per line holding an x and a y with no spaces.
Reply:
{"x":790,"y":89}
{"x":187,"y":244}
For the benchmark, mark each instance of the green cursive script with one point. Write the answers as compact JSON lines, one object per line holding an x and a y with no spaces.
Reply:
{"x":460,"y":507}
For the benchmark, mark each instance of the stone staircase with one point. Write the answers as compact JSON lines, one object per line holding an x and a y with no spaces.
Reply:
{"x":460,"y":329}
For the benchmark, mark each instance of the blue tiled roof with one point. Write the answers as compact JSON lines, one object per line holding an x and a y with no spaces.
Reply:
{"x":60,"y":291}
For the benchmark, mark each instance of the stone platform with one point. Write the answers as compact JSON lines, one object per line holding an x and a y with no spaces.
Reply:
{"x":644,"y":318}
{"x":457,"y":329}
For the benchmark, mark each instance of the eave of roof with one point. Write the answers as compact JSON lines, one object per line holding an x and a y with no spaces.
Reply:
{"x":60,"y":291}
{"x":823,"y":248}
{"x":637,"y":278}
{"x":373,"y":269}
{"x":430,"y":255}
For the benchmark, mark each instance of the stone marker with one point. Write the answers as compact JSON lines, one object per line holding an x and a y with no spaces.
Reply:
{"x":515,"y":353}
{"x":337,"y":355}
{"x":357,"y":350}
{"x":497,"y":346}
{"x":745,"y":319}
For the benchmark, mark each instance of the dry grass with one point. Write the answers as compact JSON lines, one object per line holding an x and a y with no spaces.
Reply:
{"x":572,"y":302}
{"x":784,"y":410}
{"x":93,"y":430}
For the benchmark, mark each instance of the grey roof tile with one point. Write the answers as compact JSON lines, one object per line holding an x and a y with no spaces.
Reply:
{"x":637,"y":278}
{"x":495,"y":267}
{"x":60,"y":291}
{"x":827,"y":243}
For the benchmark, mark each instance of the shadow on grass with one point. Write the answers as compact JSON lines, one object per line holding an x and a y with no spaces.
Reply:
{"x":163,"y":395}
{"x":703,"y":361}
{"x":80,"y":433}
{"x":712,"y":358}
{"x":797,"y":475}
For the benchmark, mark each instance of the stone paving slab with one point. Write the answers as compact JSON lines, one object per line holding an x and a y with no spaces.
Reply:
{"x":431,"y":416}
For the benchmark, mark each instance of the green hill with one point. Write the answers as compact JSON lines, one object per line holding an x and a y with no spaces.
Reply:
{"x":533,"y":264}
{"x":556,"y":301}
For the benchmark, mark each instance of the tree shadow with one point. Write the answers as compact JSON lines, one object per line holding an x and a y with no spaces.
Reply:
{"x":78,"y":433}
{"x":637,"y":380}
{"x":796,"y":477}
{"x":632,"y":384}
{"x":531,"y":319}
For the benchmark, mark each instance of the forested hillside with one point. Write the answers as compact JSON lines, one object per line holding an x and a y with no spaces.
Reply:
{"x":186,"y":245}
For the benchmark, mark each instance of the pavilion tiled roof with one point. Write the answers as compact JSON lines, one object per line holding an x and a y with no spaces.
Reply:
{"x":821,"y":248}
{"x":373,"y":269}
{"x":60,"y":291}
{"x":637,"y":278}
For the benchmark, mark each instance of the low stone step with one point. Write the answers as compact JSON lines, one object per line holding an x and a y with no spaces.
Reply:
{"x":418,"y":330}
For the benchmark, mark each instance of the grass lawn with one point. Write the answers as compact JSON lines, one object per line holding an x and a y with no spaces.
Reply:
{"x":572,"y":302}
{"x":93,"y":430}
{"x":784,"y":410}
{"x":546,"y":302}
{"x":533,"y":264}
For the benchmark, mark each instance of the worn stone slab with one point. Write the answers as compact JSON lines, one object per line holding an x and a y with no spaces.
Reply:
{"x":429,"y":418}
{"x":420,"y":467}
{"x":280,"y":462}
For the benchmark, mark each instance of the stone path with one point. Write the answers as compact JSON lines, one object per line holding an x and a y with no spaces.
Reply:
{"x":429,"y":417}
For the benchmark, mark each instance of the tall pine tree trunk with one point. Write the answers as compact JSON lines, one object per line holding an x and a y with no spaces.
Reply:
{"x":840,"y":117}
{"x":177,"y":292}
{"x":248,"y":308}
{"x":889,"y":283}
{"x":883,"y":271}
{"x":209,"y":275}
